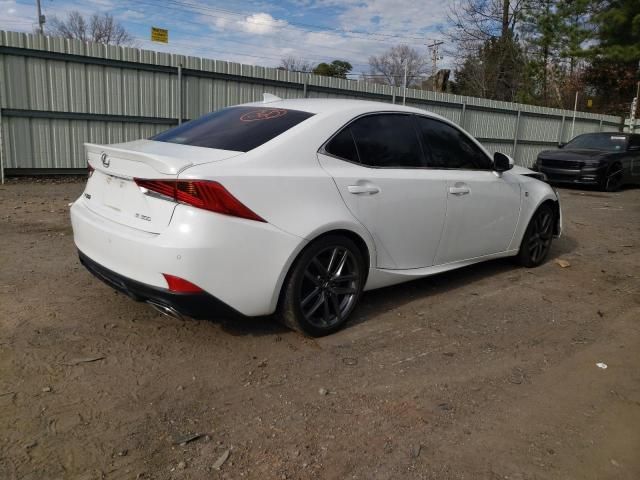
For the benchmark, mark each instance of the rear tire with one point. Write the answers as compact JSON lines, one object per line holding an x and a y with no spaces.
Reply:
{"x":536,"y":242}
{"x":323,"y":286}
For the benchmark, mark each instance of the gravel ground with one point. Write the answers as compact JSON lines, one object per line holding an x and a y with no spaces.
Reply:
{"x":488,"y":372}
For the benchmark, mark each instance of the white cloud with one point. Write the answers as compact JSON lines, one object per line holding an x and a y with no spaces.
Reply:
{"x":261,"y":24}
{"x":256,"y":24}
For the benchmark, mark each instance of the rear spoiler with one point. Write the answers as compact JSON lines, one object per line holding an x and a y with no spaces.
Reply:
{"x":96,"y":154}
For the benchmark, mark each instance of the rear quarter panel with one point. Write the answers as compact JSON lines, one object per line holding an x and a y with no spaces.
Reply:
{"x":286,"y":186}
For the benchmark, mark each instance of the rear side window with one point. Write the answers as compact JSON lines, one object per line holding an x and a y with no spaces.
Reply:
{"x":237,"y":128}
{"x":343,"y":146}
{"x":450,"y":148}
{"x":387,"y":140}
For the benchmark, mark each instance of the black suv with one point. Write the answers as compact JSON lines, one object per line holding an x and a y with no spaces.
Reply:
{"x":606,"y":160}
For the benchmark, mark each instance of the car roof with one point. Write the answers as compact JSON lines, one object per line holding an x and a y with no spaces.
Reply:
{"x":617,"y":134}
{"x":335,"y":105}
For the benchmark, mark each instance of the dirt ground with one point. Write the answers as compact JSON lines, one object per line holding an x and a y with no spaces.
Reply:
{"x":488,"y":372}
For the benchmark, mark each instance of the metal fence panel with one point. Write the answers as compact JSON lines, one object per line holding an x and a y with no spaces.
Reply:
{"x":494,"y":125}
{"x":541,"y":129}
{"x":56,"y":94}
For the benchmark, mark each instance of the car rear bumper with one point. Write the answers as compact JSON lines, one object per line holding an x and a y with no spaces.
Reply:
{"x":194,"y":305}
{"x":241,"y":263}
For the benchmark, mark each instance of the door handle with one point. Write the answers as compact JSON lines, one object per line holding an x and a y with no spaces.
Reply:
{"x":459,"y":190}
{"x":360,"y":189}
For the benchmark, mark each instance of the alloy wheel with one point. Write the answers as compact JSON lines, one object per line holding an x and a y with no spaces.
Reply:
{"x":330,"y":287}
{"x":540,"y":239}
{"x":613,"y":178}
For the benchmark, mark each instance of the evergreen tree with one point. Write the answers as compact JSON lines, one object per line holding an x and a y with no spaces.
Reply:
{"x":615,"y":58}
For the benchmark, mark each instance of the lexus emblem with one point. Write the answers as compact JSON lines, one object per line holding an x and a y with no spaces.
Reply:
{"x":105,"y":160}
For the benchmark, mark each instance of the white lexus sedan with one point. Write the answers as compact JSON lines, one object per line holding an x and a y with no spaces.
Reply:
{"x":298,"y":206}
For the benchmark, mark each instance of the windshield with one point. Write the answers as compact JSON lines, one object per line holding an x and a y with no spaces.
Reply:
{"x":236,"y":128}
{"x":601,"y":141}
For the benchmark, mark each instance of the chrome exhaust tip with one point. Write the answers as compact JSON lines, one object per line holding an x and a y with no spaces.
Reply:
{"x":166,"y":310}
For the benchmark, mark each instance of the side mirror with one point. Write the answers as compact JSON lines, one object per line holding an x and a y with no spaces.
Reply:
{"x":561,"y":144}
{"x":502,"y":162}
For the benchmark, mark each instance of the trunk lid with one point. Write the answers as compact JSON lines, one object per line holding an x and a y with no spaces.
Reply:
{"x":112,"y":192}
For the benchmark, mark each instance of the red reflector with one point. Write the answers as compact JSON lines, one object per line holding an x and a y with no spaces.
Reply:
{"x":177,"y":284}
{"x":203,"y":194}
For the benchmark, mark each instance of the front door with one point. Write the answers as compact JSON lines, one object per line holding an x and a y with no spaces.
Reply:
{"x":482,"y":213}
{"x":482,"y":205}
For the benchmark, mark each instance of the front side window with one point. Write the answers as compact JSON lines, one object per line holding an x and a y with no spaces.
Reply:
{"x":387,"y":141}
{"x":236,"y":128}
{"x":450,"y":147}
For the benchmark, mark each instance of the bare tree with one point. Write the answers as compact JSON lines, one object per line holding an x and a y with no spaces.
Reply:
{"x":389,"y":67}
{"x":100,"y":28}
{"x":496,"y":70}
{"x":295,"y":64}
{"x":476,"y":21}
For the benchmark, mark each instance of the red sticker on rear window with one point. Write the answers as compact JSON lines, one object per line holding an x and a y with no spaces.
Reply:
{"x":263,"y":114}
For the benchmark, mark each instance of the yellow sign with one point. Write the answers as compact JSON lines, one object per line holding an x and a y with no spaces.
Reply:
{"x":159,"y":35}
{"x":589,"y":102}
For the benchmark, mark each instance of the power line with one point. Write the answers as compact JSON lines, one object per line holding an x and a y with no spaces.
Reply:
{"x":321,"y":57}
{"x":17,"y":21}
{"x":369,"y":36}
{"x":262,"y":56}
{"x":232,"y":52}
{"x":300,"y":24}
{"x":198,"y":47}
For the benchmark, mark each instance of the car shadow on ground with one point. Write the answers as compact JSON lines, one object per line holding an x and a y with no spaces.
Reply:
{"x":253,"y":326}
{"x":591,"y":190}
{"x":377,"y":301}
{"x":562,"y":246}
{"x":381,"y":300}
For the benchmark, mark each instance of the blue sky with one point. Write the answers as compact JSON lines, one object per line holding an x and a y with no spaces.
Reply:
{"x":260,"y":32}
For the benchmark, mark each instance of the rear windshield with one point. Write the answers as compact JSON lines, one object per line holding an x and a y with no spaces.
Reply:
{"x":236,"y":128}
{"x":601,"y":141}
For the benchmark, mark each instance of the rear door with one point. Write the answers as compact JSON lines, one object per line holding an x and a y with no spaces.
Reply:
{"x":378,"y":165}
{"x":482,"y":206}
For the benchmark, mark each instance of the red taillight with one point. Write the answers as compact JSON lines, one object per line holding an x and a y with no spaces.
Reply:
{"x":90,"y":170}
{"x":180,"y":285}
{"x":201,"y":194}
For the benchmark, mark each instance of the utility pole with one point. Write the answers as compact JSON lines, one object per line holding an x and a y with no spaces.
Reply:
{"x":434,"y":54}
{"x":634,"y":105}
{"x":41,"y":18}
{"x":404,"y":93}
{"x":573,"y":122}
{"x":632,"y":114}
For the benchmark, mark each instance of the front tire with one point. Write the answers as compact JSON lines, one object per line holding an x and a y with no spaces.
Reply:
{"x":536,"y":242}
{"x":323,"y":287}
{"x":612,"y":180}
